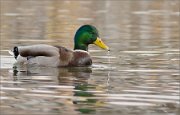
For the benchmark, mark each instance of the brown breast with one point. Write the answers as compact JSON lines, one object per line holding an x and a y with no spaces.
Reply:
{"x":80,"y":58}
{"x":73,"y":58}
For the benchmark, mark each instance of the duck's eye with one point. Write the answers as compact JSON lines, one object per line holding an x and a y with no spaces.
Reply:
{"x":91,"y":32}
{"x":90,"y":41}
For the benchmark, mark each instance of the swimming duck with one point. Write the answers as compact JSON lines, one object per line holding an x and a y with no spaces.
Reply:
{"x":56,"y":56}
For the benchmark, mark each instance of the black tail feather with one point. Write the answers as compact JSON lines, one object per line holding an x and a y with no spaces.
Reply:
{"x":16,"y":52}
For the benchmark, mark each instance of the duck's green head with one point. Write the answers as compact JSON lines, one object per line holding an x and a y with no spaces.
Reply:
{"x":85,"y":35}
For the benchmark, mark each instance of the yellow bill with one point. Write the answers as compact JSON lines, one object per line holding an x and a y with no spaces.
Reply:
{"x":101,"y":44}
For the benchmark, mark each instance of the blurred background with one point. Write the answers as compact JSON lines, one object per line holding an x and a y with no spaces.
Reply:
{"x":141,"y":72}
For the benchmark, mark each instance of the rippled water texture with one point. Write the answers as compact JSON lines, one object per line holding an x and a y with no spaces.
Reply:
{"x":140,"y":75}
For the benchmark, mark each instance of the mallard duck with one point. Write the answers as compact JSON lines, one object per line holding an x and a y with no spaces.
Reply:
{"x":56,"y":56}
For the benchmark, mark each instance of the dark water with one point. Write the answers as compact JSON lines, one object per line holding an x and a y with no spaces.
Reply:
{"x":139,"y":76}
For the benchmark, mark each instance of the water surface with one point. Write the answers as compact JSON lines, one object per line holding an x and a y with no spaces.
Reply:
{"x":140,"y":75}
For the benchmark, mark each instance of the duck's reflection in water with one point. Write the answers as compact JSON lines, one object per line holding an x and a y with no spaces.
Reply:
{"x":64,"y":75}
{"x":82,"y":95}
